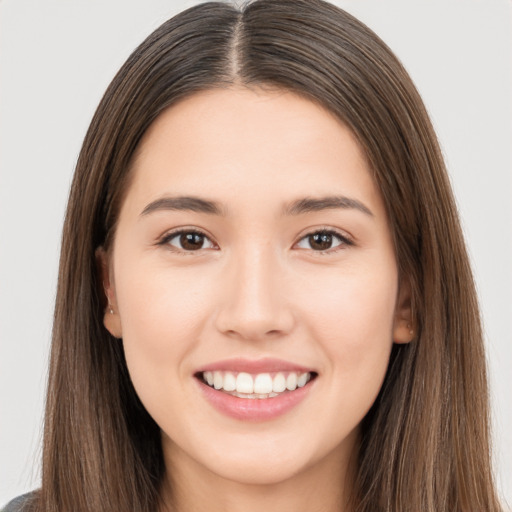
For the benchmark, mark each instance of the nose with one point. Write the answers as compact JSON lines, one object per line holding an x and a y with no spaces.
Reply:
{"x":254,"y":305}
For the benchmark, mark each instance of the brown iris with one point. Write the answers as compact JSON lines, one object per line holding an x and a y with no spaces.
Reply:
{"x":320,"y":241}
{"x":191,"y":241}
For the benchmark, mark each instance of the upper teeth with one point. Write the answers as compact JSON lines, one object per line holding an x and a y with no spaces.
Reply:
{"x":260,"y":384}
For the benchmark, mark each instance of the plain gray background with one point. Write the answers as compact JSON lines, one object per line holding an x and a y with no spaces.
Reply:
{"x":58,"y":56}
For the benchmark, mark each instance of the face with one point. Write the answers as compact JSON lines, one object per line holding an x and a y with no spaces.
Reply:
{"x":254,"y":285}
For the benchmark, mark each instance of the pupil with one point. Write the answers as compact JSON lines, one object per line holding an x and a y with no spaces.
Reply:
{"x":191,"y":241}
{"x":321,"y":241}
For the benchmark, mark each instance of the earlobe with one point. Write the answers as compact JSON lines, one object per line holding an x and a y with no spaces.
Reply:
{"x":403,"y":326}
{"x":111,"y":318}
{"x":403,"y":332}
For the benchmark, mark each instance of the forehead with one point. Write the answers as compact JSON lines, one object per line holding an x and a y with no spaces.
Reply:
{"x":239,"y":144}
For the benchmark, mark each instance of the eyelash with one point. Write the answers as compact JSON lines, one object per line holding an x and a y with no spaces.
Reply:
{"x":343,"y":239}
{"x":174,"y":234}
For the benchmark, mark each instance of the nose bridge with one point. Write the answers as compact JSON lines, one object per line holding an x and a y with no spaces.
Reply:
{"x":254,"y":304}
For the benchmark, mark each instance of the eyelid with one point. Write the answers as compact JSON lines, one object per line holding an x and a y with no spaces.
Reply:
{"x":173,"y":233}
{"x":346,"y":240}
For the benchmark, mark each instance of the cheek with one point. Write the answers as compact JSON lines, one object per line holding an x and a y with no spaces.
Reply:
{"x":352,"y":316}
{"x":161,"y":315}
{"x":155,"y":298}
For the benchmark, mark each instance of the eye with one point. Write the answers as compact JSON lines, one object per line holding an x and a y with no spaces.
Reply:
{"x":187,"y":240}
{"x":323,"y":240}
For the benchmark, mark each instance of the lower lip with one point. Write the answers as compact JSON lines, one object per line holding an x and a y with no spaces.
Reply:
{"x":254,"y":409}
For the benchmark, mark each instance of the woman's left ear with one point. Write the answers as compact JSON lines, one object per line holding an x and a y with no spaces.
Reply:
{"x":111,"y":318}
{"x":403,"y":327}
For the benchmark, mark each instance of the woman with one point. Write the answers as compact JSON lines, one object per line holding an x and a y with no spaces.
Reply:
{"x":264,"y":297}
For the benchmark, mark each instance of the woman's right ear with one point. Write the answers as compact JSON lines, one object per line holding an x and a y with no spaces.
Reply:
{"x":111,"y":317}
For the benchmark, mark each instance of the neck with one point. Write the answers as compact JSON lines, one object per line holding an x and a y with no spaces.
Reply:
{"x":324,"y":486}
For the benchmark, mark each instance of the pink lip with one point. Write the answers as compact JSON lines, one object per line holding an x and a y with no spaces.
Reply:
{"x":266,"y":365}
{"x":254,"y":409}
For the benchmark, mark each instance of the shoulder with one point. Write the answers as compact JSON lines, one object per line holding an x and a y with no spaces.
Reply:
{"x":20,"y":503}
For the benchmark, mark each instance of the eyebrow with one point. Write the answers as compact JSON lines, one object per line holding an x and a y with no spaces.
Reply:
{"x":298,"y":207}
{"x":312,"y":204}
{"x":184,"y":203}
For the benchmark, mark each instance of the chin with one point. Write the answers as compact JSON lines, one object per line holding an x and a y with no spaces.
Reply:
{"x":271,"y":471}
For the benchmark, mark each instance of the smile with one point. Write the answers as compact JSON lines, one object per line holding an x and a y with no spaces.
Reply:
{"x":258,"y":386}
{"x":255,"y":390}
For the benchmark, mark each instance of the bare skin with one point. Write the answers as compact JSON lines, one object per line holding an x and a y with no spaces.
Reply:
{"x":264,"y":270}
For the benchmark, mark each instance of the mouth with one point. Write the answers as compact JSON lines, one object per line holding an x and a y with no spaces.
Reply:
{"x":259,"y":386}
{"x":255,"y":390}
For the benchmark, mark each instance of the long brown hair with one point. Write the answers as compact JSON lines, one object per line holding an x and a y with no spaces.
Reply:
{"x":425,"y":441}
